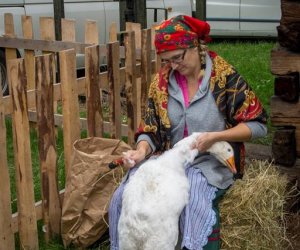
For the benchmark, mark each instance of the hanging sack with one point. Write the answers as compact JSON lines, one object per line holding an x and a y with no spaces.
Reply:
{"x":89,"y":187}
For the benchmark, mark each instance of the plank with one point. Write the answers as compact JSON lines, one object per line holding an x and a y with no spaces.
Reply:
{"x":91,"y":32}
{"x":10,"y":53}
{"x":55,"y":46}
{"x":145,"y":68}
{"x":136,"y":28}
{"x":113,"y":34}
{"x":7,"y":240}
{"x":94,"y":109}
{"x":70,"y":106}
{"x":47,"y":29}
{"x":68,"y":33}
{"x":45,"y":70}
{"x":22,"y":154}
{"x":115,"y":115}
{"x":131,"y":87}
{"x":284,"y":62}
{"x":28,"y":54}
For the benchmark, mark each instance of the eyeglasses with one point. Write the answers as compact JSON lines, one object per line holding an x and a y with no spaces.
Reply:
{"x":175,"y":59}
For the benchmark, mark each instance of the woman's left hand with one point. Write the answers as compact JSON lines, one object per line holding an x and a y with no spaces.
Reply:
{"x":205,"y":141}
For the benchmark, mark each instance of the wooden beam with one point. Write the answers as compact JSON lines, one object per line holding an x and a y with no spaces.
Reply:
{"x":284,"y":62}
{"x":57,"y":46}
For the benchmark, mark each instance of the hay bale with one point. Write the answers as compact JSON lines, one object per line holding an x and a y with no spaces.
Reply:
{"x":252,"y":211}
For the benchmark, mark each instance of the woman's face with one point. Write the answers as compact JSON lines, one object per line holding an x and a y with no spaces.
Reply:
{"x":185,"y":61}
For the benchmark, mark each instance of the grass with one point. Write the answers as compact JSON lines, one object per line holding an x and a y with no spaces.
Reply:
{"x":251,"y":59}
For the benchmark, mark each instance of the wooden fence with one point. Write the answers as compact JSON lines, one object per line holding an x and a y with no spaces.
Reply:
{"x":34,"y":93}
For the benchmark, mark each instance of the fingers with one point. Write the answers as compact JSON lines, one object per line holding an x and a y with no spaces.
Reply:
{"x":128,"y":160}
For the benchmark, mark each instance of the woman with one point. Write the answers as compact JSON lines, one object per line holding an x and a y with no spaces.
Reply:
{"x":195,"y":91}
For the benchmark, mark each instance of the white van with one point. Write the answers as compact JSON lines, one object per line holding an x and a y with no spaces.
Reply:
{"x":226,"y":17}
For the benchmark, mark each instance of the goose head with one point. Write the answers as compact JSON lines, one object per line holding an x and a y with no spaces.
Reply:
{"x":223,"y":151}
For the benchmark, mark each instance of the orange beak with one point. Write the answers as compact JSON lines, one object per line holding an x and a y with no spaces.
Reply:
{"x":231,"y":164}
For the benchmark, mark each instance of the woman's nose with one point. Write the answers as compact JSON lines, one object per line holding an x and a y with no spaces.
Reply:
{"x":174,"y":65}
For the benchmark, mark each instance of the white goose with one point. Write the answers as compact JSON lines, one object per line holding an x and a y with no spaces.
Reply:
{"x":156,"y":195}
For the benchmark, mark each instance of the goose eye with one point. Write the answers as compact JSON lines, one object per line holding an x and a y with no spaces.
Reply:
{"x":229,"y":150}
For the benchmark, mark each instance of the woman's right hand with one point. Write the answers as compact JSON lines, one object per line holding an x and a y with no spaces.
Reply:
{"x":132,"y":157}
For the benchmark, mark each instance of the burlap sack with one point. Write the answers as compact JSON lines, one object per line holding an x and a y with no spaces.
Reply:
{"x":89,"y":187}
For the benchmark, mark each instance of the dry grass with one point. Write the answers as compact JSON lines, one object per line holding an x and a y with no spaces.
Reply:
{"x":252,"y":211}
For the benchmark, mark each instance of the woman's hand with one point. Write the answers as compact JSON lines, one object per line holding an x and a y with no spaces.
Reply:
{"x":132,"y":157}
{"x":205,"y":141}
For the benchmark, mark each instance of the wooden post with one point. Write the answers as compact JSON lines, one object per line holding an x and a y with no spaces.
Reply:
{"x":59,"y":13}
{"x":133,"y":108}
{"x":145,"y":68}
{"x":25,"y":194}
{"x":113,"y":37}
{"x":91,"y":32}
{"x":29,"y":54}
{"x":201,"y":9}
{"x":9,"y":32}
{"x":94,"y":109}
{"x":70,"y":106}
{"x":114,"y":89}
{"x":68,"y":30}
{"x":45,"y":69}
{"x":7,"y":240}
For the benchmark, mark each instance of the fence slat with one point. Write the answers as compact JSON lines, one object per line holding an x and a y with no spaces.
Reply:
{"x":9,"y":32}
{"x":91,"y":32}
{"x":133,"y":109}
{"x":68,"y":30}
{"x":113,"y":36}
{"x":94,"y":109}
{"x":28,"y":54}
{"x":113,"y":59}
{"x":70,"y":106}
{"x":47,"y":30}
{"x":145,"y":68}
{"x":45,"y":75}
{"x":22,"y":154}
{"x":7,"y":240}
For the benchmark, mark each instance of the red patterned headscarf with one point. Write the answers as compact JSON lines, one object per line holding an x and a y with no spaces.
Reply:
{"x":180,"y":32}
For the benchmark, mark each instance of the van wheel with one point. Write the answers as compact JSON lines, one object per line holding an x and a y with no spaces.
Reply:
{"x":3,"y":73}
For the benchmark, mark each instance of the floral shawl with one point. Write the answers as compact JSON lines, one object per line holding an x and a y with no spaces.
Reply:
{"x":233,"y":96}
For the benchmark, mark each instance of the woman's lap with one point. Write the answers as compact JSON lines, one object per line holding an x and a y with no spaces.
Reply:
{"x":190,"y":218}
